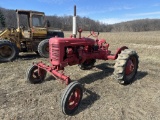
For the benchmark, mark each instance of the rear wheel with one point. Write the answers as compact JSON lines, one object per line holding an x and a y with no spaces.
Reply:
{"x":8,"y":51}
{"x":126,"y":66}
{"x":43,"y":48}
{"x":35,"y":75}
{"x":88,"y":64}
{"x":71,"y":98}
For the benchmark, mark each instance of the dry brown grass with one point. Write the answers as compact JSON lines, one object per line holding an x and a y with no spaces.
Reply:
{"x":104,"y":99}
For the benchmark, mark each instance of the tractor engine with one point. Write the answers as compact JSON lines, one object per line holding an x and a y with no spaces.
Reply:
{"x":68,"y":51}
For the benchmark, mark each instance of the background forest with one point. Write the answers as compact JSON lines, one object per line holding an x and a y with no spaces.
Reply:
{"x":8,"y":19}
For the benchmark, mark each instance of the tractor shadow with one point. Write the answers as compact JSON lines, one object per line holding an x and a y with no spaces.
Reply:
{"x":50,"y":78}
{"x":91,"y":97}
{"x":140,"y":75}
{"x":88,"y":101}
{"x":105,"y":70}
{"x":28,"y":56}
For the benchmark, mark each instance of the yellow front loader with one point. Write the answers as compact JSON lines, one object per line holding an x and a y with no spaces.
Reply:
{"x":31,"y":38}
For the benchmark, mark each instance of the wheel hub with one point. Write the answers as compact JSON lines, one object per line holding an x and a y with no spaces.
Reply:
{"x":47,"y":48}
{"x":5,"y":51}
{"x":130,"y":67}
{"x":74,"y":99}
{"x":35,"y":74}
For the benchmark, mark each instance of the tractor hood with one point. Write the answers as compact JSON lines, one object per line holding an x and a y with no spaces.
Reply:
{"x":72,"y":41}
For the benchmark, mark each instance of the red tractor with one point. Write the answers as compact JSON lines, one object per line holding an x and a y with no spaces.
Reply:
{"x":83,"y":52}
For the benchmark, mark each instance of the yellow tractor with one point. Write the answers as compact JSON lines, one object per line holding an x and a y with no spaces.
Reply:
{"x":31,"y":38}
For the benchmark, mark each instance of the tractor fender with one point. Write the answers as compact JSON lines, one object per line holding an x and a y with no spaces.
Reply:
{"x":119,"y":51}
{"x":101,"y":41}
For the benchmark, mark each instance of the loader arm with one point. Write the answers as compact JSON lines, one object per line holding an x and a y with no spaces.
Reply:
{"x":4,"y":33}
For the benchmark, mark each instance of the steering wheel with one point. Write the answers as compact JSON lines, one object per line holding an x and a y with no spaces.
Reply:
{"x":94,"y":34}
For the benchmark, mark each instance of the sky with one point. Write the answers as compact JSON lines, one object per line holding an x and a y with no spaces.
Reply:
{"x":105,"y":11}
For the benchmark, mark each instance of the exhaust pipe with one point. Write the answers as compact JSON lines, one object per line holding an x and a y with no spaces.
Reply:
{"x":74,"y":23}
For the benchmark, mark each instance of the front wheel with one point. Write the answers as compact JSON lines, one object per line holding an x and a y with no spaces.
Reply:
{"x":88,"y":64}
{"x":71,"y":98}
{"x":35,"y":74}
{"x":126,"y":66}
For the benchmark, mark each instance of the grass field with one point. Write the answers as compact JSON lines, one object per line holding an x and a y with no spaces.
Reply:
{"x":104,"y":98}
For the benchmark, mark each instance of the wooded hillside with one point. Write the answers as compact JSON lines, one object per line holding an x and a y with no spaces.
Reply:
{"x":8,"y":19}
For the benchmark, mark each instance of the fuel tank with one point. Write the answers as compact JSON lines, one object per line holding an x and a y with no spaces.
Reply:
{"x":72,"y":41}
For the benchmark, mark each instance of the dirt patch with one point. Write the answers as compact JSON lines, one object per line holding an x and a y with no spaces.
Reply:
{"x":103,"y":99}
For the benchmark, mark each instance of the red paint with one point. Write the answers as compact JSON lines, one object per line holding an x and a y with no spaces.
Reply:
{"x":130,"y":66}
{"x":73,"y":51}
{"x":74,"y":99}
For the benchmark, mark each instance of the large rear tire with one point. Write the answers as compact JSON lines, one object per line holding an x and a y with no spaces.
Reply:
{"x":126,"y":66}
{"x":43,"y":48}
{"x":8,"y":51}
{"x":71,"y":98}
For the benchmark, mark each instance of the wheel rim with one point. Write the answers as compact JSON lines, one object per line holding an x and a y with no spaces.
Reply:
{"x":47,"y":48}
{"x":74,"y":99}
{"x":131,"y":66}
{"x":5,"y":51}
{"x":34,"y":75}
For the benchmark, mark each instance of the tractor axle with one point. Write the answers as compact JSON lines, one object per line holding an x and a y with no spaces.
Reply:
{"x":54,"y":70}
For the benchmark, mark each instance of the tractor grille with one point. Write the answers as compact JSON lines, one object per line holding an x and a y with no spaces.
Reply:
{"x":55,"y":52}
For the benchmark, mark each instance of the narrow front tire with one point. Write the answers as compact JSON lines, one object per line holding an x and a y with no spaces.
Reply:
{"x":71,"y":98}
{"x":35,"y":74}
